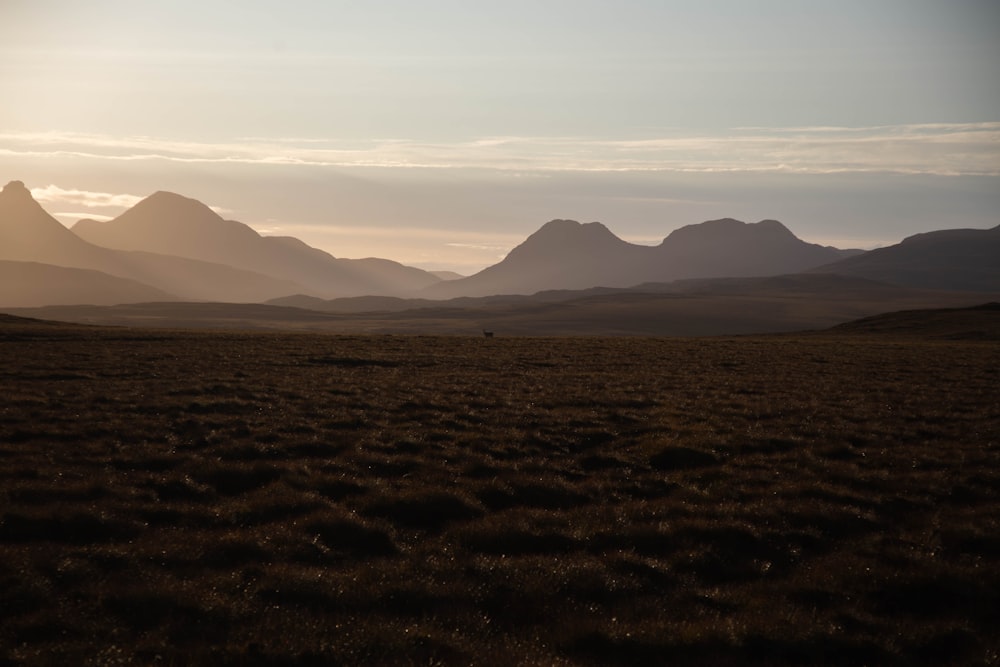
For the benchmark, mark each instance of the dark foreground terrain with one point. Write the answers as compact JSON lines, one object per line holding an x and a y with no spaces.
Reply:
{"x":186,"y":498}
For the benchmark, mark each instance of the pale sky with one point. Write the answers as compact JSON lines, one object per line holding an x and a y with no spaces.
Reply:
{"x":441,"y":133}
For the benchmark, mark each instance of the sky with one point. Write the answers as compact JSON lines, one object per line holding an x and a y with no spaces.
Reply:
{"x":440,"y":133}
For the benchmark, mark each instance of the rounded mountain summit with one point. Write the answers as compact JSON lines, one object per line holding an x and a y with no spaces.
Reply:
{"x":566,"y":254}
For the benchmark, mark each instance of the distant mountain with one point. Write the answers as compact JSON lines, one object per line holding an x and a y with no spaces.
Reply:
{"x":731,"y":248}
{"x":30,"y":284}
{"x":955,"y":259}
{"x":29,"y":234}
{"x":169,"y":223}
{"x":565,"y":254}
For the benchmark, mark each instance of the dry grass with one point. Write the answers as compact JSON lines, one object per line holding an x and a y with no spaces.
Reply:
{"x":222,"y":498}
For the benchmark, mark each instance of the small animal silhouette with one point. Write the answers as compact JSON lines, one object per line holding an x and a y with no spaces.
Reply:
{"x":487,"y":334}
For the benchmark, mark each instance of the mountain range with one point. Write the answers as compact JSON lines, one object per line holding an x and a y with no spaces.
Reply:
{"x":171,"y":224}
{"x":565,"y":254}
{"x":172,"y":248}
{"x":30,"y":235}
{"x":179,"y":249}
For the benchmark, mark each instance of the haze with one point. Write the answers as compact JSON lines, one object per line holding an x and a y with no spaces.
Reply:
{"x":439,"y":134}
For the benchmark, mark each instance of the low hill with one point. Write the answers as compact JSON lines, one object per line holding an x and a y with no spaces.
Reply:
{"x":954,"y":259}
{"x":980,"y":322}
{"x":791,"y":284}
{"x":687,"y":308}
{"x":27,"y":284}
{"x":186,"y":315}
{"x":7,"y":321}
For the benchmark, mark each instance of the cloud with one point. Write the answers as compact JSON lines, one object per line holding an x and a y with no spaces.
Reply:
{"x":479,"y":246}
{"x":73,"y":215}
{"x":952,"y":149}
{"x":85,"y":198}
{"x":53,"y":194}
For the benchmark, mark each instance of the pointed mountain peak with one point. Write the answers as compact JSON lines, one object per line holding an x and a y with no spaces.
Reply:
{"x":16,"y":201}
{"x":16,"y":189}
{"x":28,"y":232}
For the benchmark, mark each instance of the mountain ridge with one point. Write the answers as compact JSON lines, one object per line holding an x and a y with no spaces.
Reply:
{"x":203,"y":257}
{"x":956,"y":259}
{"x":184,"y":227}
{"x":29,"y":234}
{"x":566,"y":254}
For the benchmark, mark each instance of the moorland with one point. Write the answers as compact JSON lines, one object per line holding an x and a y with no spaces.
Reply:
{"x":242,"y":498}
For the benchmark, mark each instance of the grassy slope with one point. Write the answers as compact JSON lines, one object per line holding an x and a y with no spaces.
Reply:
{"x":977,"y":323}
{"x":239,"y":498}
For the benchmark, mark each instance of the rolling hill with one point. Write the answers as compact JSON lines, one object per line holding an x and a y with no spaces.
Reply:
{"x":701,"y":307}
{"x":980,"y":322}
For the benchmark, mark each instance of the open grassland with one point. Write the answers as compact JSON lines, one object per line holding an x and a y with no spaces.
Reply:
{"x":257,"y":498}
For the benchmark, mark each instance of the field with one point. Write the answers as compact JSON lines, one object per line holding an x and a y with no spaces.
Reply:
{"x":226,"y":498}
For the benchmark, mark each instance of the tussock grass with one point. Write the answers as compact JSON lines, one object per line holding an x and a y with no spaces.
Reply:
{"x":250,"y":499}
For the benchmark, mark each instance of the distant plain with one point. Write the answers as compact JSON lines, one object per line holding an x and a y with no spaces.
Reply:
{"x":244,"y":498}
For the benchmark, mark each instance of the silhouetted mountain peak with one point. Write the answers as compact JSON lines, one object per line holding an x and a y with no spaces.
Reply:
{"x":24,"y":218}
{"x":773,"y":226}
{"x":15,"y":197}
{"x":568,"y":227}
{"x":564,"y":254}
{"x":167,"y":222}
{"x":163,"y":204}
{"x":557,"y":236}
{"x":16,"y":189}
{"x":726,"y":229}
